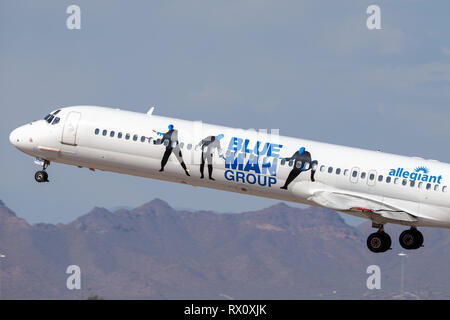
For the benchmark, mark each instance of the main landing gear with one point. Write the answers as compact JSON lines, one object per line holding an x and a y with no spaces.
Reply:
{"x":411,"y":239}
{"x":42,"y":176}
{"x":380,"y":241}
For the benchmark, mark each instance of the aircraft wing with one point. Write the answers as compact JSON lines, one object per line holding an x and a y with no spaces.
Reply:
{"x":348,"y":202}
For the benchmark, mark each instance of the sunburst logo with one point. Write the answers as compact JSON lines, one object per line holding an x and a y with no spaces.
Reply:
{"x":422,"y":169}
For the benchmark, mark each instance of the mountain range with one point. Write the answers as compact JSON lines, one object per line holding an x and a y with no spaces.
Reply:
{"x":157,"y":252}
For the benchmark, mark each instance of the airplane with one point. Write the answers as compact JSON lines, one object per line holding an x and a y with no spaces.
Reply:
{"x":382,"y":187}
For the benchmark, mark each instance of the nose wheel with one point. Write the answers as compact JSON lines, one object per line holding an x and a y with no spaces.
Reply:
{"x":42,"y":175}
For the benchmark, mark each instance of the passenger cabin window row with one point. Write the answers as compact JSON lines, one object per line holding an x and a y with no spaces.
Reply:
{"x":298,"y":164}
{"x":372,"y":177}
{"x":135,"y":137}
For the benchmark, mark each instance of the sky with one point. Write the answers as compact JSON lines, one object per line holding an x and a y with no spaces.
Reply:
{"x":311,"y":69}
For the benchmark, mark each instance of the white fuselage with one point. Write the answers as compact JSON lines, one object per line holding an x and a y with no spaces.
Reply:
{"x":405,"y":190}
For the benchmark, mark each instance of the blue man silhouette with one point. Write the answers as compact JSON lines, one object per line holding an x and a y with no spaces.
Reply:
{"x":208,"y":145}
{"x":300,"y":157}
{"x":172,"y":146}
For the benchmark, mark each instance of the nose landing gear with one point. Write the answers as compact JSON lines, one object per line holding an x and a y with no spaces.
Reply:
{"x":42,"y":176}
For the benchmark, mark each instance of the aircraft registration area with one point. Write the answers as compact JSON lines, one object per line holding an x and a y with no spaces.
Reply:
{"x":382,"y":187}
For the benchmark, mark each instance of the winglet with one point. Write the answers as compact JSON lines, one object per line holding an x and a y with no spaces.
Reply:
{"x":150,"y":111}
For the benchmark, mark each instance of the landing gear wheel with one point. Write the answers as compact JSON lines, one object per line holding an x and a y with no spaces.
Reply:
{"x":411,"y":239}
{"x":379,"y":242}
{"x":419,"y":238}
{"x":41,"y":176}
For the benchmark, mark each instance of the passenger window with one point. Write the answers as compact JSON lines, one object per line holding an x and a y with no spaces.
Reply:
{"x":396,"y":180}
{"x":436,"y":187}
{"x":298,"y":164}
{"x":330,"y":170}
{"x":291,"y":163}
{"x":189,"y":147}
{"x":420,"y":185}
{"x":119,"y":135}
{"x":197,"y":147}
{"x":314,"y":166}
{"x":142,"y":139}
{"x":135,"y":137}
{"x":355,"y":174}
{"x":372,"y":177}
{"x":388,"y":179}
{"x":444,"y":189}
{"x":363,"y":175}
{"x":346,"y":172}
{"x":412,"y":183}
{"x":166,"y":142}
{"x":283,"y":161}
{"x":97,"y":131}
{"x":322,"y":168}
{"x":181,"y":145}
{"x":158,"y":141}
{"x":306,"y":166}
{"x":150,"y":139}
{"x":174,"y":144}
{"x":127,"y":136}
{"x":104,"y":132}
{"x":428,"y":186}
{"x":380,"y":178}
{"x":404,"y":182}
{"x":111,"y":134}
{"x":338,"y":171}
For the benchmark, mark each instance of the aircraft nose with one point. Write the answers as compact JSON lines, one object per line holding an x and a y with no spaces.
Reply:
{"x":22,"y":137}
{"x":14,"y":137}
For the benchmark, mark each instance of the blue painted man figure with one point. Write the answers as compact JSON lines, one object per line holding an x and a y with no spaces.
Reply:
{"x":301,"y":162}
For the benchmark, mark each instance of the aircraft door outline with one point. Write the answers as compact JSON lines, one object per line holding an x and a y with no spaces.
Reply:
{"x":69,"y":135}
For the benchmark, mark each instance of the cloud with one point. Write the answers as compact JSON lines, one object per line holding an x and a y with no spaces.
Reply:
{"x":446,"y":51}
{"x":235,"y":14}
{"x":353,"y":36}
{"x":212,"y":94}
{"x":409,"y":78}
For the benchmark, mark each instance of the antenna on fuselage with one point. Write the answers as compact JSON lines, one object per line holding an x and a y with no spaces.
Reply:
{"x":150,"y":111}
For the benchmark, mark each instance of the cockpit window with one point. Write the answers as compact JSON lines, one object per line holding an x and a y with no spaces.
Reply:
{"x":56,"y":121}
{"x":49,"y":118}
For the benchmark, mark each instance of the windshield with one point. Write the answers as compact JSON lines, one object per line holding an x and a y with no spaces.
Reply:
{"x":49,"y":118}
